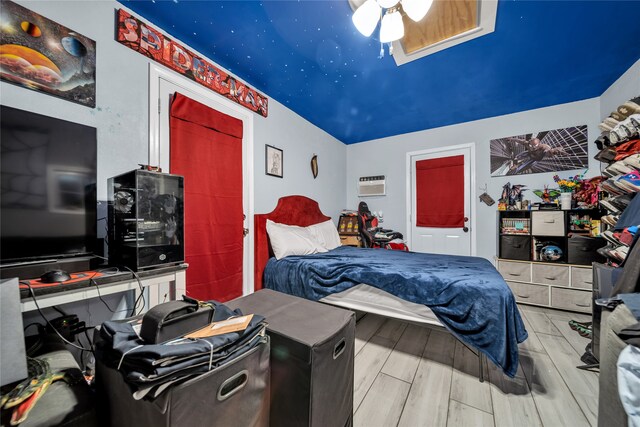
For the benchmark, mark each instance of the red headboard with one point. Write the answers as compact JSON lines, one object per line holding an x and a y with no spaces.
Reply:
{"x":291,"y":210}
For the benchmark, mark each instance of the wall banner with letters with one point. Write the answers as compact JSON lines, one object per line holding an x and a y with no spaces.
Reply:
{"x":148,"y":41}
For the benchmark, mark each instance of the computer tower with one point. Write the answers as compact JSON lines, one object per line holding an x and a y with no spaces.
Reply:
{"x":146,"y":219}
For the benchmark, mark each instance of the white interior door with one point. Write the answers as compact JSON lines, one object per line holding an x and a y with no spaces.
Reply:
{"x":450,"y":241}
{"x":162,"y":85}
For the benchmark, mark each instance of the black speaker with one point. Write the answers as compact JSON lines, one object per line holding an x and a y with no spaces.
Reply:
{"x":146,"y":219}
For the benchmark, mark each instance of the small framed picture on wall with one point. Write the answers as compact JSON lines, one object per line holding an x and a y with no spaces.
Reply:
{"x":273,"y":161}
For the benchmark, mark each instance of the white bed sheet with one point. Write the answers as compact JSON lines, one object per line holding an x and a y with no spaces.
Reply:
{"x":373,"y":300}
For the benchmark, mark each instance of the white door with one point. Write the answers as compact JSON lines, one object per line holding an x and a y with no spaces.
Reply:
{"x":441,"y":239}
{"x":162,"y":85}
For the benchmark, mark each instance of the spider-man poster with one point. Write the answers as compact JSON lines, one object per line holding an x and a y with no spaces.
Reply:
{"x":548,"y":151}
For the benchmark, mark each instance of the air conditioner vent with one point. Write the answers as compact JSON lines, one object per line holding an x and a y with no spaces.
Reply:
{"x":372,"y":186}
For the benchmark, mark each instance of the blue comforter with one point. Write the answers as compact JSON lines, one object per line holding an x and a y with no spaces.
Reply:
{"x":467,"y":294}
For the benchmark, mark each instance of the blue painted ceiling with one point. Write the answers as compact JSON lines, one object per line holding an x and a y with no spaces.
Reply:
{"x":308,"y":56}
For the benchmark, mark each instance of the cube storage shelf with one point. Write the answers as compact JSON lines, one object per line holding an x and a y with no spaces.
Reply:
{"x":565,"y":283}
{"x":524,"y":233}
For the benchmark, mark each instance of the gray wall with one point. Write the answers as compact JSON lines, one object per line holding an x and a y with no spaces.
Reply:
{"x":121,"y":116}
{"x":388,"y":157}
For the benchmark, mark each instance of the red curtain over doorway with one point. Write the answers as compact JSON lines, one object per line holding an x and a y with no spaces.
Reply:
{"x":206,"y":148}
{"x":440,"y":192}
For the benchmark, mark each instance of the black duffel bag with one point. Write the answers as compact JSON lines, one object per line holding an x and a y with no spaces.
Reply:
{"x":175,"y":319}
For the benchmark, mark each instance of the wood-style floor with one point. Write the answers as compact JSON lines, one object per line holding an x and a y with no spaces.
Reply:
{"x":407,"y":375}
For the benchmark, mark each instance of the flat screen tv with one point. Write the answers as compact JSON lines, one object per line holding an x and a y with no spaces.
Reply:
{"x":48,"y":200}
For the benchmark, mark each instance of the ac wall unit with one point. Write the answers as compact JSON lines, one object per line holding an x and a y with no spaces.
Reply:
{"x":371,"y":186}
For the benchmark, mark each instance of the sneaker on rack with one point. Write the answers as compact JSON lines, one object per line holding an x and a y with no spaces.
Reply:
{"x":622,"y":201}
{"x":618,"y":116}
{"x":610,"y":187}
{"x":603,"y":140}
{"x":610,"y":237}
{"x":609,"y":206}
{"x":624,"y":187}
{"x":621,"y":133}
{"x":608,"y":124}
{"x":630,"y":107}
{"x":632,"y":125}
{"x":606,"y":154}
{"x":617,"y":168}
{"x":620,"y":253}
{"x":606,"y":251}
{"x":626,"y":236}
{"x":633,"y":161}
{"x":611,"y":220}
{"x":630,"y":181}
{"x":634,"y":120}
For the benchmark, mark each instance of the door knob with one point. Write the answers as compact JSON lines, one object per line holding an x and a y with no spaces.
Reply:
{"x":466,"y":219}
{"x":465,"y":229}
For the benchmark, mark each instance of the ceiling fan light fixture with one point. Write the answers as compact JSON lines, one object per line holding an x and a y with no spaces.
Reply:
{"x":416,"y":9}
{"x":391,"y":28}
{"x":366,"y":17}
{"x":386,"y":4}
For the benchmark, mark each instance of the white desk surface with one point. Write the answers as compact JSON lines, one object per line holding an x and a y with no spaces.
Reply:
{"x":176,"y":278}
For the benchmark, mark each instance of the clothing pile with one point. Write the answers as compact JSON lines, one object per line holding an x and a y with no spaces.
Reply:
{"x":150,"y":369}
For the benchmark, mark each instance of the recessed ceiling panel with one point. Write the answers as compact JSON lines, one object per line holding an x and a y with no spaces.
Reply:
{"x":446,"y":19}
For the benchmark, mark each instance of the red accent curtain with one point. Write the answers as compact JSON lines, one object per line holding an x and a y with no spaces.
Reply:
{"x":206,"y":148}
{"x":440,"y":192}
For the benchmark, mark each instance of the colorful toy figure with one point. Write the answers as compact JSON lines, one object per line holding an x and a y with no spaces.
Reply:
{"x":512,"y":194}
{"x":547,"y":195}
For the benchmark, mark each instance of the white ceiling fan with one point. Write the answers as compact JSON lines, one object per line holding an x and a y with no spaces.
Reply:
{"x":369,"y":12}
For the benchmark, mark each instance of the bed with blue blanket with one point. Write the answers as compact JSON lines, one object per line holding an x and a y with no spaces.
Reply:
{"x":466,"y":294}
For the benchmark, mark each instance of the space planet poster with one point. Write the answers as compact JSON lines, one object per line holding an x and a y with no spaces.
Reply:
{"x":42,"y":55}
{"x":538,"y":152}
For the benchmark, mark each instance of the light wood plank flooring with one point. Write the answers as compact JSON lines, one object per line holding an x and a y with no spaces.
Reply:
{"x":408,"y":375}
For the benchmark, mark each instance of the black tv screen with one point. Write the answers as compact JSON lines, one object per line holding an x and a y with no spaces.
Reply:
{"x":48,"y":201}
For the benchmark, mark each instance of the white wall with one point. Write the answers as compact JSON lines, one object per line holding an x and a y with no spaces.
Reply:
{"x":623,"y":89}
{"x":121,"y":116}
{"x":387,"y":156}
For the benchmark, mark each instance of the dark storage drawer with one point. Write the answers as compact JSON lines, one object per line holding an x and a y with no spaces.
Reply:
{"x":582,"y":250}
{"x":515,"y":247}
{"x":312,"y":352}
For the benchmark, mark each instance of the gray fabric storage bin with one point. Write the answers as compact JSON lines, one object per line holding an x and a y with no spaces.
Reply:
{"x":312,"y":350}
{"x":604,"y":277}
{"x":206,"y":400}
{"x":610,"y":410}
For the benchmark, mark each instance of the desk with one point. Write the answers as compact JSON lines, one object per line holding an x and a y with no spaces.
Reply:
{"x":150,"y":280}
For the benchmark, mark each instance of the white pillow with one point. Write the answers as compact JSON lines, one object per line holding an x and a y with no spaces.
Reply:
{"x":291,"y":240}
{"x":326,"y":234}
